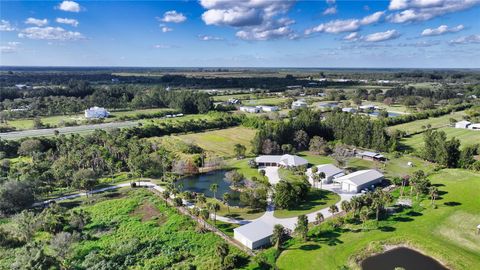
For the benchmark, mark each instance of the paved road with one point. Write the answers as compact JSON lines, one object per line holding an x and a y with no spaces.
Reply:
{"x":15,"y":135}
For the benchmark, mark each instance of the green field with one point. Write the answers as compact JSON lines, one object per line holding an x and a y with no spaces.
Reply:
{"x":466,"y":137}
{"x":398,"y":108}
{"x":316,"y":200}
{"x":273,"y":101}
{"x":21,"y":124}
{"x":221,"y":142}
{"x":135,"y":229}
{"x":435,"y":122}
{"x":446,"y":233}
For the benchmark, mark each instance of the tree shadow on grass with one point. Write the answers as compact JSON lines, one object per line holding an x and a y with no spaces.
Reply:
{"x":387,"y":228}
{"x":452,"y":203}
{"x":438,"y":185}
{"x":309,"y":247}
{"x":314,"y":198}
{"x":70,"y":205}
{"x":403,"y":219}
{"x":329,"y":237}
{"x":414,"y":214}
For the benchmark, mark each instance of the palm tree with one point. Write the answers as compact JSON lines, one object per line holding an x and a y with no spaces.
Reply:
{"x":364,"y":214}
{"x":222,"y":251}
{"x":278,"y":236}
{"x":355,"y":205}
{"x":333,"y":209}
{"x":314,"y":175}
{"x":226,"y":198}
{"x":345,"y":205}
{"x":319,"y":218}
{"x":201,"y":200}
{"x":214,"y":189}
{"x":214,"y":207}
{"x":166,"y":196}
{"x":322,"y":178}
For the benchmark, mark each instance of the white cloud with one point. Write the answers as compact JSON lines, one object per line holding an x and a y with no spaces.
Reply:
{"x":5,"y":26}
{"x":255,"y":19}
{"x":173,"y":16}
{"x":71,"y":22}
{"x":442,"y":29}
{"x":422,"y":10}
{"x":349,"y":25}
{"x":352,"y":36}
{"x":69,"y":6}
{"x":466,"y":40}
{"x":166,"y":29}
{"x":373,"y":18}
{"x":37,"y":22}
{"x":209,"y":38}
{"x":9,"y":47}
{"x":162,"y":46}
{"x":382,"y":36}
{"x":50,"y":33}
{"x":330,"y":11}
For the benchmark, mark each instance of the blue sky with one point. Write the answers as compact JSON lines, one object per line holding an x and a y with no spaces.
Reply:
{"x":250,"y":33}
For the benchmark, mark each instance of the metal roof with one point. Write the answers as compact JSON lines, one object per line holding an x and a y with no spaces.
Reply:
{"x":360,"y":177}
{"x":255,"y":231}
{"x":329,"y":169}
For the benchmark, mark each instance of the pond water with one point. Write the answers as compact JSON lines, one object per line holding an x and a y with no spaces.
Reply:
{"x":401,"y":257}
{"x":390,"y":114}
{"x":201,"y":184}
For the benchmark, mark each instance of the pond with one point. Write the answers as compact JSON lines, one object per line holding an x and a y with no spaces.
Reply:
{"x":201,"y":184}
{"x":401,"y":257}
{"x":390,"y":114}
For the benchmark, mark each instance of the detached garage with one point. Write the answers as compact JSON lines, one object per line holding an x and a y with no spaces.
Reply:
{"x":359,"y":180}
{"x":254,"y":235}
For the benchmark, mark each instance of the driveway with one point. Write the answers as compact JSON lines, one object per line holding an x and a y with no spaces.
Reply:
{"x":272,"y":174}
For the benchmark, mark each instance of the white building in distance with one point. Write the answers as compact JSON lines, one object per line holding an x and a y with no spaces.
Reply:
{"x":280,"y":160}
{"x":96,"y":112}
{"x":298,"y":104}
{"x":349,"y":110}
{"x":249,"y":109}
{"x":359,"y":180}
{"x":268,"y":108}
{"x":331,"y":172}
{"x":462,"y":124}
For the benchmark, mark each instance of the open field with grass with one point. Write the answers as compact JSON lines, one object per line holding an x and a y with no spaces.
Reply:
{"x":273,"y":101}
{"x":21,"y":124}
{"x":236,"y":96}
{"x":243,"y":213}
{"x":435,"y":122}
{"x":446,"y":233}
{"x":466,"y":137}
{"x":316,"y":200}
{"x":221,"y":142}
{"x":398,"y":108}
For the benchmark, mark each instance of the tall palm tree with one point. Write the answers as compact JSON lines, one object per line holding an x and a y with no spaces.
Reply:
{"x":278,"y":236}
{"x":322,"y":178}
{"x":319,"y":218}
{"x":364,"y":214}
{"x":214,"y":189}
{"x":226,"y":198}
{"x":433,"y":194}
{"x":214,"y":207}
{"x":346,"y":206}
{"x":222,"y":251}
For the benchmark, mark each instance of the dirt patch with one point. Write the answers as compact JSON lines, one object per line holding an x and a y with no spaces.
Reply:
{"x":147,"y":211}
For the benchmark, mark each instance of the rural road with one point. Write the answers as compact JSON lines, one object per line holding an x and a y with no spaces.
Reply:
{"x":15,"y":135}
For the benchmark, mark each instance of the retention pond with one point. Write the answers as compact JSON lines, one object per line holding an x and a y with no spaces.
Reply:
{"x":405,"y":258}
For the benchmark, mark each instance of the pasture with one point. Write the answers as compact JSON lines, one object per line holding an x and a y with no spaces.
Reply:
{"x":466,"y":137}
{"x":435,"y":122}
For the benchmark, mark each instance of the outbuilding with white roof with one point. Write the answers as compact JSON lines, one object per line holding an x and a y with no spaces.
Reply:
{"x":331,"y":171}
{"x":254,"y":235}
{"x":359,"y":180}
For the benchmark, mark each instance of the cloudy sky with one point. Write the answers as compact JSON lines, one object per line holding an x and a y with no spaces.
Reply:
{"x":241,"y":33}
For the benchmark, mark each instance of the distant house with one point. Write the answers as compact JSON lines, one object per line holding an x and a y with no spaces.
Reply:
{"x":463,"y":124}
{"x":368,"y":107}
{"x":327,"y":105}
{"x":474,"y":126}
{"x":280,"y":161}
{"x":249,"y":109}
{"x":96,"y":112}
{"x":298,"y":104}
{"x":233,"y":101}
{"x":359,"y":180}
{"x":330,"y":171}
{"x":254,"y":235}
{"x":371,"y":156}
{"x":349,"y":110}
{"x":268,"y":108}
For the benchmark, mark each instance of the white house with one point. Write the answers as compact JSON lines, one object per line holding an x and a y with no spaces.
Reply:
{"x":462,"y":124}
{"x":359,"y":180}
{"x":298,"y":104}
{"x":96,"y":112}
{"x":474,"y":126}
{"x":254,"y":235}
{"x":349,"y":110}
{"x":249,"y":109}
{"x":331,"y":172}
{"x":368,"y":107}
{"x":281,"y":161}
{"x":268,"y":108}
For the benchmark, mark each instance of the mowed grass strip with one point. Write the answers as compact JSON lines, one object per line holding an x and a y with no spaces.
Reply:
{"x":435,"y":122}
{"x":221,"y":142}
{"x":466,"y":137}
{"x":441,"y":233}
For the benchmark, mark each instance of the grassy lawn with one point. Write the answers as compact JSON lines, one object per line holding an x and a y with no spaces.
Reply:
{"x":314,"y":159}
{"x":399,"y":108}
{"x":446,"y":233}
{"x":316,"y":200}
{"x":466,"y":137}
{"x":273,"y":101}
{"x":435,"y":122}
{"x":221,"y":142}
{"x":225,"y":227}
{"x":237,"y":212}
{"x":177,"y":119}
{"x":243,"y":168}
